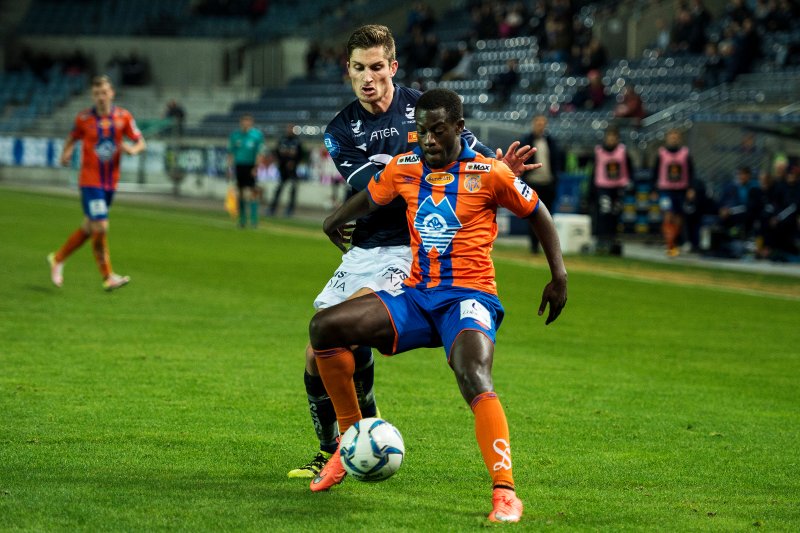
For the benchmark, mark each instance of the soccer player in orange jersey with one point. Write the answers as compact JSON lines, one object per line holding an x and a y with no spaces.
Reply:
{"x":101,"y":130}
{"x":450,"y":297}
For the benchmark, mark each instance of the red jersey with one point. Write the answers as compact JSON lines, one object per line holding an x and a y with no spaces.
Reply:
{"x":451,"y":214}
{"x":101,"y":138}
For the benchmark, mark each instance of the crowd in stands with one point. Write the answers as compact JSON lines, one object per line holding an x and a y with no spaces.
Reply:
{"x":42,"y":64}
{"x":253,"y":9}
{"x":759,"y":217}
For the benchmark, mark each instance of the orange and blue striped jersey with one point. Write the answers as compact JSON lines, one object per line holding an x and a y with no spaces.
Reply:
{"x":452,"y":213}
{"x":101,"y":138}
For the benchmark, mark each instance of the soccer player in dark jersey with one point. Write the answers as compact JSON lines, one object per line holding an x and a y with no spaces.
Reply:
{"x":361,"y":139}
{"x":450,"y":298}
{"x":101,"y":130}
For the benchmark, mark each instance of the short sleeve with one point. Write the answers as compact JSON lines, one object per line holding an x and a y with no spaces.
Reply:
{"x":381,"y":187}
{"x":131,"y":129}
{"x":77,"y":128}
{"x":511,"y":192}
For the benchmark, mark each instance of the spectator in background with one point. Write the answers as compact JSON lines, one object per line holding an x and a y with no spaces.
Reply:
{"x":593,"y":95}
{"x":700,"y":20}
{"x":736,"y":11}
{"x":613,"y":174}
{"x":766,"y":203}
{"x":558,"y":33}
{"x":313,"y":56}
{"x":463,"y":69}
{"x":420,"y":16}
{"x":630,"y":106}
{"x":504,"y":83}
{"x":735,"y":218}
{"x":289,"y":153}
{"x":663,"y":36}
{"x":747,"y":47}
{"x":683,"y":33}
{"x":594,"y":56}
{"x":484,"y":23}
{"x":177,"y":115}
{"x":712,"y":72}
{"x":135,"y":70}
{"x":544,"y":180}
{"x":697,"y":208}
{"x":421,"y":50}
{"x":512,"y":23}
{"x":673,"y":176}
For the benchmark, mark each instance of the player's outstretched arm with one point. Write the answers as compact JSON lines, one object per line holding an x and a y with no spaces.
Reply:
{"x":335,"y":226}
{"x":136,"y":148}
{"x":66,"y":152}
{"x":516,"y":156}
{"x":555,"y":292}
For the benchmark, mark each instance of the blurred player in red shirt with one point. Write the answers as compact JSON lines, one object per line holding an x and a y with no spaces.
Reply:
{"x":450,"y":297}
{"x":101,"y":130}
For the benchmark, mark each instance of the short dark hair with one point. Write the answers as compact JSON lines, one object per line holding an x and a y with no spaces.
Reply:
{"x":442,"y":98}
{"x":370,"y":36}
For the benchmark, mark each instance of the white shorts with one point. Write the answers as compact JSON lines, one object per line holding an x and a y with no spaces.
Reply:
{"x":382,"y":268}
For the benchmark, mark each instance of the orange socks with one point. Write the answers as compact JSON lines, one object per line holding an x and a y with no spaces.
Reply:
{"x":336,"y":367}
{"x":74,"y":242}
{"x":491,"y":430}
{"x":670,"y":232}
{"x":101,"y":256}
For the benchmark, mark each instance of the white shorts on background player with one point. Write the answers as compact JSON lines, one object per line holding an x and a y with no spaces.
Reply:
{"x":382,"y":268}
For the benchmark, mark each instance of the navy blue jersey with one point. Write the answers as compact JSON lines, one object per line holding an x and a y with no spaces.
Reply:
{"x":361,"y":144}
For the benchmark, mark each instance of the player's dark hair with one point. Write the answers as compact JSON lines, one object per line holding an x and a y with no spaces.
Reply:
{"x":442,"y":98}
{"x":370,"y":36}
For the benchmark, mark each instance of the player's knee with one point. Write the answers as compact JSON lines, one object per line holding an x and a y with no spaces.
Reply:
{"x":321,"y":330}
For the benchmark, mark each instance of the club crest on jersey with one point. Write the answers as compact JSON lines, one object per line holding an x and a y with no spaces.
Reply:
{"x":355,"y":125}
{"x":408,"y":160}
{"x":477,"y":167}
{"x":440,"y":178}
{"x":472,"y":182}
{"x":412,"y":136}
{"x":105,"y":150}
{"x":436,"y":224}
{"x":523,"y":189}
{"x":409,"y":112}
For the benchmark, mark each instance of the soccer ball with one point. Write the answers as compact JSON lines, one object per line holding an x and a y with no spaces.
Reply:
{"x":372,"y":450}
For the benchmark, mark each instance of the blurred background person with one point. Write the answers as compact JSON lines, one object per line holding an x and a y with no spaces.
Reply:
{"x":245,"y":153}
{"x":289,"y":153}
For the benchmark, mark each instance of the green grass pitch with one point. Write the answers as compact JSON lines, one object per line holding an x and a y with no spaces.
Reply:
{"x":177,"y":403}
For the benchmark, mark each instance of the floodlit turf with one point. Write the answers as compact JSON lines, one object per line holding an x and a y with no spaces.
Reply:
{"x":177,"y":403}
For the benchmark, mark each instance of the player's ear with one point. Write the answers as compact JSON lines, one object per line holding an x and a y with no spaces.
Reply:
{"x":393,"y":68}
{"x":460,"y":125}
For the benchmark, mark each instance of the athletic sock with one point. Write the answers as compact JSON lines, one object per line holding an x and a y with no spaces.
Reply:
{"x":73,"y":242}
{"x":253,"y":213}
{"x":323,"y":417}
{"x":364,"y":379}
{"x":670,"y":232}
{"x":491,"y":430}
{"x":242,"y":212}
{"x":336,"y":367}
{"x":101,"y":255}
